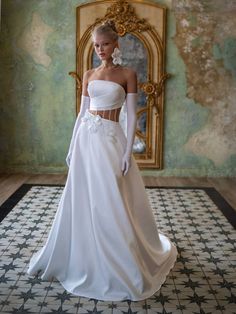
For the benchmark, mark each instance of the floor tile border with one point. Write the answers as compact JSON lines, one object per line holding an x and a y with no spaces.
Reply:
{"x":227,"y":210}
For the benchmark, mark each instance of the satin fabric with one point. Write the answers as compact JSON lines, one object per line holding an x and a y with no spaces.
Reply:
{"x":111,"y":97}
{"x":104,"y":243}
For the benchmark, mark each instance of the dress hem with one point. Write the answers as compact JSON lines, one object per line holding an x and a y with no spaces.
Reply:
{"x":146,"y":295}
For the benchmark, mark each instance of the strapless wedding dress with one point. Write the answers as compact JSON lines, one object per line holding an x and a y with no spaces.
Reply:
{"x":104,"y":243}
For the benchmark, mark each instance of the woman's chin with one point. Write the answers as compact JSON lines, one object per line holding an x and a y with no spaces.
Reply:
{"x":103,"y":58}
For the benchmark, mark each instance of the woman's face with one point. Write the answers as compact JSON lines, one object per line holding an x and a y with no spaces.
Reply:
{"x":104,"y":46}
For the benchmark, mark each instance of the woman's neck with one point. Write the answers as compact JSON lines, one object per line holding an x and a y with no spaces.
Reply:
{"x":108,"y":64}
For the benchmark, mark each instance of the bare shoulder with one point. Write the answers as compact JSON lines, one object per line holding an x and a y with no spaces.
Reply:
{"x":86,"y":77}
{"x":131,"y":79}
{"x":129,"y":73}
{"x":87,"y":74}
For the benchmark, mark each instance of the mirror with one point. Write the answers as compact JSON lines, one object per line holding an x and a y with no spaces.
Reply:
{"x":141,"y":27}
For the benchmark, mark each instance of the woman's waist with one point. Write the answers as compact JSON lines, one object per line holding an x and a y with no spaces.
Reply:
{"x":109,"y":114}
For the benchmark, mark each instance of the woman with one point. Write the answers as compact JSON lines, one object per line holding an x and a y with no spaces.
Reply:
{"x":104,"y":243}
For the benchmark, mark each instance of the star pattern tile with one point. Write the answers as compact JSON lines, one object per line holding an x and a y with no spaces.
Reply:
{"x":203,"y":279}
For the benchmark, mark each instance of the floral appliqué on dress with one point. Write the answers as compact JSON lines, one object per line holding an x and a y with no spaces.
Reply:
{"x":95,"y":122}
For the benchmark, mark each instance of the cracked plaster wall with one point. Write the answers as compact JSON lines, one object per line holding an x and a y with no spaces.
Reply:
{"x":37,"y":99}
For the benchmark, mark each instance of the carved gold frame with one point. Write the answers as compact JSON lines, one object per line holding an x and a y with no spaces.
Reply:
{"x":147,"y":21}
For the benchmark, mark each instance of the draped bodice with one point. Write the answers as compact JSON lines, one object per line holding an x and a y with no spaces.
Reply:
{"x":105,"y":95}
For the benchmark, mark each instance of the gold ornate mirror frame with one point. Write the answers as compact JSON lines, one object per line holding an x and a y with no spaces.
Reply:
{"x":146,"y":22}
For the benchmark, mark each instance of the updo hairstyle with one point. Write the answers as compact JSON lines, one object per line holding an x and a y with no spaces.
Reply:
{"x":107,"y":28}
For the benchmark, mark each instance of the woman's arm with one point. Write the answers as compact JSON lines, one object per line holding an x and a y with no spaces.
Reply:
{"x":131,"y":102}
{"x":85,"y":82}
{"x":84,"y":104}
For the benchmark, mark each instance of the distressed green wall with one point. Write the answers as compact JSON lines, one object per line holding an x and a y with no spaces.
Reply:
{"x":37,"y":98}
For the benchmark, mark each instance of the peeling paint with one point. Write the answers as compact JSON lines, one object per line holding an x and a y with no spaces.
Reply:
{"x":37,"y":108}
{"x":227,"y":52}
{"x":210,"y":82}
{"x":33,"y":40}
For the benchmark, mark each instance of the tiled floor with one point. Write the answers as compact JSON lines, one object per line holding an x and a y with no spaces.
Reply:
{"x":202,"y":281}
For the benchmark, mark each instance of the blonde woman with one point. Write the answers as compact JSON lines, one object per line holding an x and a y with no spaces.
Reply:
{"x":104,"y":243}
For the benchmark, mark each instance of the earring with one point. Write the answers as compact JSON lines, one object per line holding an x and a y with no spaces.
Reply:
{"x":116,"y":56}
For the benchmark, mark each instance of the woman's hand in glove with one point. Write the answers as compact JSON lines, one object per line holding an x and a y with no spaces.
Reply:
{"x":126,"y":163}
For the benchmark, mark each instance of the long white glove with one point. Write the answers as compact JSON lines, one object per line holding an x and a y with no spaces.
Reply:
{"x":85,"y":101}
{"x":131,"y":102}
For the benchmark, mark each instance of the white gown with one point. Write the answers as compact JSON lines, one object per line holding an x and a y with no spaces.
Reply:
{"x":104,"y":243}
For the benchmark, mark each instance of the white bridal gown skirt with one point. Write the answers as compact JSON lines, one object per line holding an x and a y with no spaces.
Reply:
{"x":104,"y":243}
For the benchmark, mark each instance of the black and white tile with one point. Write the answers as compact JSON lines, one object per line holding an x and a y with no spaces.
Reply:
{"x":202,"y":281}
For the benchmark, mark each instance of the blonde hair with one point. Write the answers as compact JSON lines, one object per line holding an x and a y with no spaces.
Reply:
{"x":107,"y":28}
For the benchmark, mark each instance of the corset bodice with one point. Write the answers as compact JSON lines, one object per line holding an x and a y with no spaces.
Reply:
{"x":105,"y":95}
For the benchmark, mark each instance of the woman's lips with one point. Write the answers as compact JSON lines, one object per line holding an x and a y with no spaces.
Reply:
{"x":101,"y":54}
